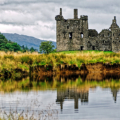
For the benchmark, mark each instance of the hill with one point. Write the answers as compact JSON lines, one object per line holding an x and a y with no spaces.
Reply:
{"x":25,"y":40}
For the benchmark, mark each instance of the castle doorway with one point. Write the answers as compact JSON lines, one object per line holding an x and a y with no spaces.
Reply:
{"x":81,"y":47}
{"x":93,"y":47}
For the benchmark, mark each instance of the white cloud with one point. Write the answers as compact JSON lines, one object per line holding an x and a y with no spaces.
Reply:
{"x":37,"y":17}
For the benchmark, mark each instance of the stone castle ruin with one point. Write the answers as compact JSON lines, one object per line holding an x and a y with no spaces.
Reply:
{"x":73,"y":34}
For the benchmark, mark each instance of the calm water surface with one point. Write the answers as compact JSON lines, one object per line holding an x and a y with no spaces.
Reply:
{"x":64,"y":104}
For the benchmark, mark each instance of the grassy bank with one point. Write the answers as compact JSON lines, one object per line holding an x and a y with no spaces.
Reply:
{"x":11,"y":60}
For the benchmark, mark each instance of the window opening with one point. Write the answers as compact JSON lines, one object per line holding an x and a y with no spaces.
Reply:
{"x":67,"y":27}
{"x":65,"y":20}
{"x":70,"y":35}
{"x":93,"y":47}
{"x":81,"y":47}
{"x":81,"y":35}
{"x":103,"y":41}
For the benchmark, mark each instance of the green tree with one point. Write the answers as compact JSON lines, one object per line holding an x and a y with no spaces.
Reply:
{"x":16,"y":47}
{"x":32,"y":49}
{"x":46,"y":47}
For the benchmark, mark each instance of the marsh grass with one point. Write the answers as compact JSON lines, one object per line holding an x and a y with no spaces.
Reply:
{"x":11,"y":60}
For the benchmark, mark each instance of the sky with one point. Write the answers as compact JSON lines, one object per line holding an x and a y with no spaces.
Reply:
{"x":37,"y":17}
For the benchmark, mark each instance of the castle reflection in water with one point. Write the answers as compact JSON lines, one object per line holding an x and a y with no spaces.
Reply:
{"x":71,"y":94}
{"x":77,"y":95}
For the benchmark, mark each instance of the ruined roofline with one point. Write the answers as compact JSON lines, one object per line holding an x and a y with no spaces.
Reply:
{"x":105,"y":30}
{"x":75,"y":16}
{"x":92,"y":29}
{"x":83,"y":16}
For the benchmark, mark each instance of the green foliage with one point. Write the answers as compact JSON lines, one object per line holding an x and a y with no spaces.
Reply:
{"x":32,"y":49}
{"x":9,"y":56}
{"x":46,"y":47}
{"x":54,"y":51}
{"x":26,"y":59}
{"x":16,"y":47}
{"x":6,"y":45}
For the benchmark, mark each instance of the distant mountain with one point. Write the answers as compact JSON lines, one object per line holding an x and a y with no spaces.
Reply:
{"x":25,"y":40}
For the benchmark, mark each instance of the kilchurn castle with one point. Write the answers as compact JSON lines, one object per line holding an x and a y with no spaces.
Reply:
{"x":73,"y":34}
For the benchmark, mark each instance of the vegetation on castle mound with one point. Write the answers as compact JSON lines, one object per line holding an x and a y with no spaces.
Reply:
{"x":17,"y":60}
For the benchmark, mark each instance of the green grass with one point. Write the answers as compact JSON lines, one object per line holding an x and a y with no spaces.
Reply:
{"x":84,"y":51}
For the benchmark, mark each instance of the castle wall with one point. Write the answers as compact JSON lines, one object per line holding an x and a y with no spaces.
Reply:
{"x":116,"y":40}
{"x":105,"y":40}
{"x":68,"y":35}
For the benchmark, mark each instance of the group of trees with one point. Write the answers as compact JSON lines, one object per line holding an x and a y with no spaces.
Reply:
{"x":8,"y":45}
{"x":24,"y":49}
{"x":5,"y":45}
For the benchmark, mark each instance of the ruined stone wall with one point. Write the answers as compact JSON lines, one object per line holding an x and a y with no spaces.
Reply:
{"x":73,"y":34}
{"x":105,"y":40}
{"x":116,"y":40}
{"x":68,"y":36}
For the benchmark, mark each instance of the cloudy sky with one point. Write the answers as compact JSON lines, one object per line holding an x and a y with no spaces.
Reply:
{"x":37,"y":17}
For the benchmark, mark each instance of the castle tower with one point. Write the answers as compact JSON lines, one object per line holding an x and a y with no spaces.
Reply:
{"x":115,"y":35}
{"x":75,"y":13}
{"x":58,"y":19}
{"x":84,"y":30}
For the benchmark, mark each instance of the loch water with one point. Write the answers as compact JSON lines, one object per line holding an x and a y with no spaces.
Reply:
{"x":62,"y":99}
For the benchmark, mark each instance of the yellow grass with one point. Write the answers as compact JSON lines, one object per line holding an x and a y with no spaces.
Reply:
{"x":12,"y":60}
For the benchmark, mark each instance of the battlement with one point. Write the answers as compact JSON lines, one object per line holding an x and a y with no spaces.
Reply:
{"x":84,"y":17}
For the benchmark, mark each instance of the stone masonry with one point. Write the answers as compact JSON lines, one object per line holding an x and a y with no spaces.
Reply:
{"x":73,"y":34}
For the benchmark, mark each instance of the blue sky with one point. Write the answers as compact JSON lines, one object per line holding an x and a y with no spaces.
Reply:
{"x":37,"y":17}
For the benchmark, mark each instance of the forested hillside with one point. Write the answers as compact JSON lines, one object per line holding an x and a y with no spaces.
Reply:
{"x":25,"y":40}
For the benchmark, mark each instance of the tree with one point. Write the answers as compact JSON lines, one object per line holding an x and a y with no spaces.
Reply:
{"x":16,"y":47}
{"x":46,"y":47}
{"x":32,"y":49}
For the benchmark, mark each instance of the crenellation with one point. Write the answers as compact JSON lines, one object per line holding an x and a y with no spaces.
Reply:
{"x":74,"y":34}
